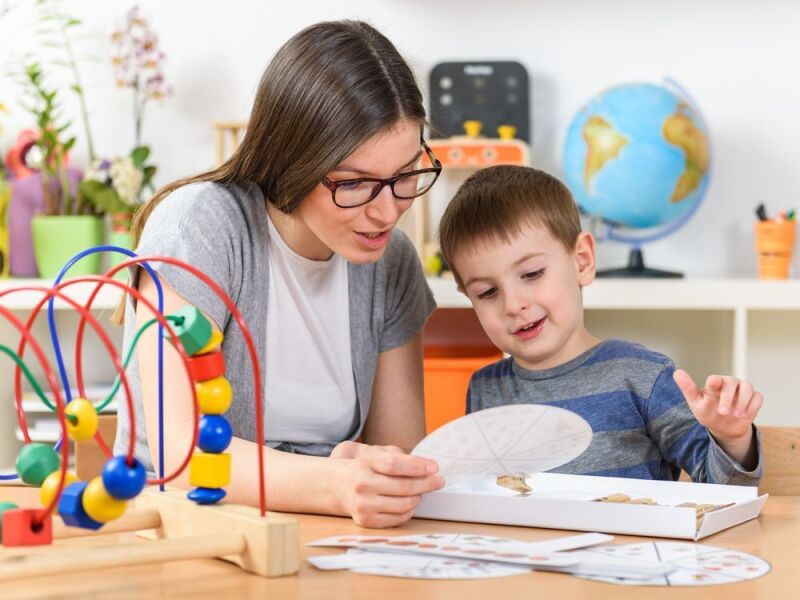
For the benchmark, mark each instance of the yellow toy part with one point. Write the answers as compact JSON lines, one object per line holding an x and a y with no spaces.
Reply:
{"x":472,"y":128}
{"x":214,"y":396}
{"x":210,"y":470}
{"x":5,"y":201}
{"x":50,"y":485}
{"x":212,"y":344}
{"x":434,"y":265}
{"x":83,"y":424}
{"x":99,"y":504}
{"x":506,"y":132}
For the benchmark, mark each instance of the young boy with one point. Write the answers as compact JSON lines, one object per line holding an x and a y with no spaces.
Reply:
{"x":513,"y":240}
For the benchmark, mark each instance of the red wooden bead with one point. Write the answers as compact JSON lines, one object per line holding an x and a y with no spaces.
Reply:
{"x":18,"y":529}
{"x":207,"y":366}
{"x":4,"y":506}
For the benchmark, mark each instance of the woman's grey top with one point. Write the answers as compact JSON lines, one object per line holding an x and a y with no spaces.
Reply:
{"x":222,"y":230}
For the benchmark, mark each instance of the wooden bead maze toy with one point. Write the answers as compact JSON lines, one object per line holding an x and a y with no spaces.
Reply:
{"x":178,"y":525}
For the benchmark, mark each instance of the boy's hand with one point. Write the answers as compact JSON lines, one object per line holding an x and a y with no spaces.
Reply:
{"x":726,"y":406}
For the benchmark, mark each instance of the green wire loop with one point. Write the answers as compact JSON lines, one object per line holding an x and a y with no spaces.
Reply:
{"x":117,"y":381}
{"x":28,"y":375}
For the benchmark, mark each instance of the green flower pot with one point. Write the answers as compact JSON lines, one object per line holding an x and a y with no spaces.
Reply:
{"x":57,"y":238}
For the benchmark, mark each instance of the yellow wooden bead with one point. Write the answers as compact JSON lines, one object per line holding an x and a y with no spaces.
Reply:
{"x":50,"y":485}
{"x":210,"y":470}
{"x":212,"y":344}
{"x":214,"y":396}
{"x":84,"y":426}
{"x":99,"y":504}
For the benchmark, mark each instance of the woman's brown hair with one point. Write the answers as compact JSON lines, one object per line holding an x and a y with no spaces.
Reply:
{"x":325,"y":92}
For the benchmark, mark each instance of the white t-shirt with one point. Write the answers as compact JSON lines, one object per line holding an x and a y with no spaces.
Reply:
{"x":310,"y":388}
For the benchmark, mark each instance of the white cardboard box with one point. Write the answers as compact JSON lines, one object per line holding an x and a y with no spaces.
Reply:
{"x":565,"y":502}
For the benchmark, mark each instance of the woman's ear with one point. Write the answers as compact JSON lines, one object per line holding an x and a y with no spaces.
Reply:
{"x":584,"y":255}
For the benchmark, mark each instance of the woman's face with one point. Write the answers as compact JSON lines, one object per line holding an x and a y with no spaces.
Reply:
{"x":359,"y":234}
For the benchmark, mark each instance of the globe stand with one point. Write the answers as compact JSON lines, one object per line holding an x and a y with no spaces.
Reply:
{"x":636,"y":269}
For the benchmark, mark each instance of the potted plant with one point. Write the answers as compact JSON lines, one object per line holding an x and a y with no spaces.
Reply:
{"x":67,"y":225}
{"x":114,"y":187}
{"x":62,"y":224}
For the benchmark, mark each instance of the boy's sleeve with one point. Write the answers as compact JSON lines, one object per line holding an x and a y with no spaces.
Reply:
{"x":687,"y":444}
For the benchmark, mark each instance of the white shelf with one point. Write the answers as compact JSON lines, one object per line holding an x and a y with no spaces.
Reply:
{"x":44,"y":435}
{"x":25,"y":300}
{"x":95,"y":393}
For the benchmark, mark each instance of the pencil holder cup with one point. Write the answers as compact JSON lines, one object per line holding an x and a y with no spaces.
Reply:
{"x":774,"y":244}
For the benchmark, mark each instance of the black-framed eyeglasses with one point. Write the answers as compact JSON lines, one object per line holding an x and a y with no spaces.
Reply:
{"x":350,"y":193}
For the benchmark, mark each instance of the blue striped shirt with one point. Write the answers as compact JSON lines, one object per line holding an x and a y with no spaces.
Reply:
{"x":642,"y":426}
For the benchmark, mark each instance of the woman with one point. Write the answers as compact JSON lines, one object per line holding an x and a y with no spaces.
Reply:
{"x":333,"y":294}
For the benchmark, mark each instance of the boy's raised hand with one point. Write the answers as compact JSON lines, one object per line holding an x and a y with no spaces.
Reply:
{"x":726,"y":405}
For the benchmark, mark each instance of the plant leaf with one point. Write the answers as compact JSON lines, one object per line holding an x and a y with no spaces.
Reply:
{"x":139,"y":155}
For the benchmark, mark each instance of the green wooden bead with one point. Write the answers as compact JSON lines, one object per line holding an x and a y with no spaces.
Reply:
{"x":35,"y":462}
{"x":194,"y":331}
{"x":4,"y":506}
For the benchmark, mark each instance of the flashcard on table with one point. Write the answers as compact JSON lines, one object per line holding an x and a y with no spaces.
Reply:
{"x":465,"y":556}
{"x":416,"y":566}
{"x":693,"y":564}
{"x":464,"y":546}
{"x":445,"y":544}
{"x":519,"y":438}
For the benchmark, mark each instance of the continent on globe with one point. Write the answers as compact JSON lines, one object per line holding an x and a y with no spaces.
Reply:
{"x":679,"y":130}
{"x":603,"y":143}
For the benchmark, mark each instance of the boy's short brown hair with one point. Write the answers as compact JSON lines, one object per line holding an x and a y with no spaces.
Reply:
{"x":497,"y":202}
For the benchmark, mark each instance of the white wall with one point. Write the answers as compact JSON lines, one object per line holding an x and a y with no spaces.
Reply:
{"x":737,"y":58}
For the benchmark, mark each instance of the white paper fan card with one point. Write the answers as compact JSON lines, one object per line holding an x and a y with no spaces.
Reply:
{"x":519,"y":438}
{"x":693,"y":564}
{"x":415,"y":566}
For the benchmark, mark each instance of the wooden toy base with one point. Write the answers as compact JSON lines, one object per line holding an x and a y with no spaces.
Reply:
{"x":179,"y":530}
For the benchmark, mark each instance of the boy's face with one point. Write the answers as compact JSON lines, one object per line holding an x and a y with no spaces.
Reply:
{"x":527,"y":294}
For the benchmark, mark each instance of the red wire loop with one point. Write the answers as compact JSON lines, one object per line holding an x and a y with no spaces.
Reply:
{"x":251,"y":349}
{"x":85,"y":314}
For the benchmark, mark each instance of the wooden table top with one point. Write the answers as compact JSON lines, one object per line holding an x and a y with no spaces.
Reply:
{"x":774,"y":536}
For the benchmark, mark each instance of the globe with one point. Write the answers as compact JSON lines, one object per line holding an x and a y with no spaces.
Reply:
{"x":637,"y":157}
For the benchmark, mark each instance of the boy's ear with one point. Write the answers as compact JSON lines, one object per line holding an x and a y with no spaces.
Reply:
{"x":584,"y":255}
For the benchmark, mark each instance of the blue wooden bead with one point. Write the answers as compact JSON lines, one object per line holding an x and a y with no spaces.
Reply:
{"x":70,"y":507}
{"x":122,"y":481}
{"x":35,"y":462}
{"x":203,"y":495}
{"x":214,"y":434}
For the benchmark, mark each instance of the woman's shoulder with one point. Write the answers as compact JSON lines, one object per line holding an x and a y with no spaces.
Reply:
{"x":206,"y":196}
{"x":207,"y":205}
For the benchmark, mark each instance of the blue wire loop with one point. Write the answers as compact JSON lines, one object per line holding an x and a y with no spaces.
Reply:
{"x":60,"y":359}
